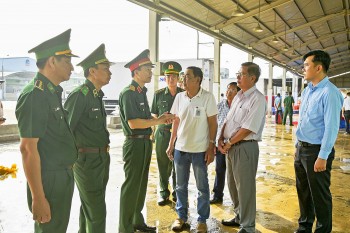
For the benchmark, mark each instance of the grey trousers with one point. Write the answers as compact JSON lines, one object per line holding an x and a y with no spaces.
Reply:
{"x":241,"y":164}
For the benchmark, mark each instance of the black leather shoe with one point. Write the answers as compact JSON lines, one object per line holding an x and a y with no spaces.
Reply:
{"x":144,"y":228}
{"x":242,"y":231}
{"x":231,"y":223}
{"x":216,"y":200}
{"x":163,"y":201}
{"x":174,"y":199}
{"x":302,"y":231}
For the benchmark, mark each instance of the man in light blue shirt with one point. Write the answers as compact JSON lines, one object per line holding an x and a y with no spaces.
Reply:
{"x":278,"y":108}
{"x":317,"y":131}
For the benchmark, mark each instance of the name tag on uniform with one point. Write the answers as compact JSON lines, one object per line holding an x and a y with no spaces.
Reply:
{"x":56,"y":109}
{"x":95,"y":109}
{"x":197,"y":112}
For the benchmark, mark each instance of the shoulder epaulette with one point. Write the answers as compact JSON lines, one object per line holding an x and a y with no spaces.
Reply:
{"x":132,"y":87}
{"x":160,"y":90}
{"x":39,"y":84}
{"x":84,"y":90}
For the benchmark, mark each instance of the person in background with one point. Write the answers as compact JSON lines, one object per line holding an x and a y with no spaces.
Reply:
{"x":194,"y":131}
{"x":87,"y":119}
{"x":2,"y":119}
{"x":319,"y":118}
{"x":162,"y":101}
{"x":180,"y":82}
{"x":278,"y":108}
{"x":346,"y":112}
{"x":239,"y":140}
{"x":220,"y":163}
{"x":47,"y":143}
{"x":288,"y":109}
{"x":137,"y":121}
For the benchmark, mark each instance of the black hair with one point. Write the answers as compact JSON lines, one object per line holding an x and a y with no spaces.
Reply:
{"x":197,"y":72}
{"x":87,"y":71}
{"x":234,"y":84}
{"x":320,"y":58}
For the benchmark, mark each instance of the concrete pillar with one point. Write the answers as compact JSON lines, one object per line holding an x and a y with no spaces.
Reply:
{"x":284,"y":89}
{"x":269,"y":91}
{"x":217,"y":58}
{"x":295,"y":86}
{"x":153,"y":45}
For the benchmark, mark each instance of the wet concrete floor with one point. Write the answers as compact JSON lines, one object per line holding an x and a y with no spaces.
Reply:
{"x":277,"y":204}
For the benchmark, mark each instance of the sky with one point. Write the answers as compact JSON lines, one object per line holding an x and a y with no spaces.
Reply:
{"x":121,"y":25}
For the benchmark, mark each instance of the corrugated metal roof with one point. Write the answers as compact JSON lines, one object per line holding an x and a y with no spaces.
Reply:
{"x":299,"y":25}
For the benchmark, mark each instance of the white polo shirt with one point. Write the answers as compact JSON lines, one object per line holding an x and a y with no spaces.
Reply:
{"x":193,"y":130}
{"x":248,"y":110}
{"x":346,"y":103}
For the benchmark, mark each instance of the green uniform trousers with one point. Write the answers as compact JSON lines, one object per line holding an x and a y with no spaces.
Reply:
{"x":91,"y":173}
{"x":58,"y":187}
{"x":137,"y":157}
{"x":165,"y":165}
{"x":289,"y":112}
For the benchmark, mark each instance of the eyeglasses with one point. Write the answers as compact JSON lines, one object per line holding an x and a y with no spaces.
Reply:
{"x":240,"y":74}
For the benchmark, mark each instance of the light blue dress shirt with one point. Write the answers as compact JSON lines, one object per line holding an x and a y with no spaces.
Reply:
{"x":319,"y":116}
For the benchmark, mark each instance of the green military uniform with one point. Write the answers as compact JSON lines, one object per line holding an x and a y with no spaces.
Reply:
{"x":137,"y":151}
{"x":288,"y":109}
{"x":162,"y":102}
{"x":40,"y":115}
{"x":87,"y":119}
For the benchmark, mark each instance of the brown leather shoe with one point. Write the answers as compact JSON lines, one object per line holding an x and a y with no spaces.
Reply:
{"x":202,"y":227}
{"x":178,"y":224}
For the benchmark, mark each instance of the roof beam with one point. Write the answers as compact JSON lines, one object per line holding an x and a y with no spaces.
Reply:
{"x":319,"y":20}
{"x":338,"y":64}
{"x":251,"y":13}
{"x":318,"y":39}
{"x":328,"y":48}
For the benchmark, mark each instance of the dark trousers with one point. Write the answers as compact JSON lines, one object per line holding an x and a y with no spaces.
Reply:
{"x":91,"y":174}
{"x":58,"y":187}
{"x":137,"y":158}
{"x":278,"y":112}
{"x":220,"y":169}
{"x":315,"y":198}
{"x":347,"y":119}
{"x":288,"y":112}
{"x":165,"y":165}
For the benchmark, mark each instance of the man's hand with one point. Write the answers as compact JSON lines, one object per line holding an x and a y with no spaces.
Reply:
{"x":41,"y":210}
{"x":320,"y":165}
{"x":209,"y":155}
{"x":221,"y":146}
{"x":166,"y":118}
{"x":170,"y":152}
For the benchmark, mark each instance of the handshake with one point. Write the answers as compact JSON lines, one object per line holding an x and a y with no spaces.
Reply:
{"x":166,"y":118}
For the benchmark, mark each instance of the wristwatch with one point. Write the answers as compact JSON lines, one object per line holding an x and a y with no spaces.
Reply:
{"x":228,"y":142}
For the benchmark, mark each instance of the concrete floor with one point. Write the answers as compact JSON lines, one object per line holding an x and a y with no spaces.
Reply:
{"x":277,"y":205}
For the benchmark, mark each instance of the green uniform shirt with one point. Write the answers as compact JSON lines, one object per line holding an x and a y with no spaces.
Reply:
{"x":162,"y":102}
{"x":87,"y":116}
{"x":133,"y":104}
{"x":288,"y":101}
{"x":40,"y":115}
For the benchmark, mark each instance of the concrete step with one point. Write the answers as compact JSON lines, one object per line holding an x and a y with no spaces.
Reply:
{"x":115,"y":122}
{"x":9,"y":133}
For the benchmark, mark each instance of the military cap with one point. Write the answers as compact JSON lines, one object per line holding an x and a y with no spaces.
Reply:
{"x":96,"y":57}
{"x":171,"y":67}
{"x":59,"y":45}
{"x":141,"y":60}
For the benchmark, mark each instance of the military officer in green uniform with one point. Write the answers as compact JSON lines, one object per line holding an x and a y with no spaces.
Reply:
{"x":136,"y":121}
{"x":47,"y":143}
{"x":162,"y":102}
{"x":87,"y":119}
{"x":288,"y":109}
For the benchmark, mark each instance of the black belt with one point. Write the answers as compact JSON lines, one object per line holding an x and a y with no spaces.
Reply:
{"x":138,"y":136}
{"x":306,"y":144}
{"x":243,"y":141}
{"x":104,"y":149}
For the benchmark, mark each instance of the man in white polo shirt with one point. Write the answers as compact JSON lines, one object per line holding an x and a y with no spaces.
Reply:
{"x":239,"y":140}
{"x":194,"y":131}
